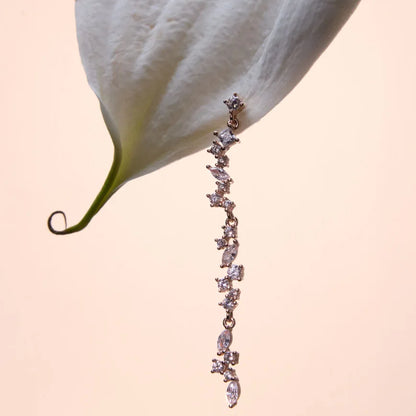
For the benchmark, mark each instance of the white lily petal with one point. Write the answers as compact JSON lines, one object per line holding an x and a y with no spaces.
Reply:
{"x":162,"y":68}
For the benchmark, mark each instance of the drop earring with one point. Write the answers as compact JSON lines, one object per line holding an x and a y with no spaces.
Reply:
{"x":229,"y":243}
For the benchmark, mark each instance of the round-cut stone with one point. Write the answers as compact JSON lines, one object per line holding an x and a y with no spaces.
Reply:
{"x":230,"y":232}
{"x":229,"y":205}
{"x":224,"y":341}
{"x":230,"y":374}
{"x":233,"y":294}
{"x":228,"y":304}
{"x":233,"y":393}
{"x":231,"y":357}
{"x":223,"y":161}
{"x":233,"y":103}
{"x":223,"y":187}
{"x":224,"y":284}
{"x":216,"y":149}
{"x":218,"y":366}
{"x":215,"y":199}
{"x":221,"y":243}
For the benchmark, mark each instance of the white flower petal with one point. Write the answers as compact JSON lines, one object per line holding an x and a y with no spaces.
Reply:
{"x":162,"y":68}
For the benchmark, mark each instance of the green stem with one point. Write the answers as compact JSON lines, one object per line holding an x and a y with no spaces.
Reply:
{"x":108,"y":189}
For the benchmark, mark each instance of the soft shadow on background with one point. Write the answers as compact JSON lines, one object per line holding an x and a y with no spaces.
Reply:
{"x":122,"y":318}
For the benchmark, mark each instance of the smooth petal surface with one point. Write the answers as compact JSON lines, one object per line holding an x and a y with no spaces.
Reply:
{"x":162,"y":68}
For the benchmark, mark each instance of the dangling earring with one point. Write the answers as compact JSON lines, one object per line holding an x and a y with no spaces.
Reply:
{"x":229,"y":243}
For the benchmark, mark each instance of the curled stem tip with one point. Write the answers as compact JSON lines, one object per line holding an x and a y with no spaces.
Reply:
{"x":50,"y":226}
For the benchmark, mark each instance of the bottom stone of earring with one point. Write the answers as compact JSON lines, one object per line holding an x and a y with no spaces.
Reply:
{"x":233,"y":393}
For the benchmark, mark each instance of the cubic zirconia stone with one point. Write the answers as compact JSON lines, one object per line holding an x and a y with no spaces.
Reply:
{"x":224,"y":341}
{"x":230,"y":232}
{"x":215,"y":199}
{"x":216,"y":149}
{"x":233,"y":294}
{"x":229,"y":255}
{"x":221,"y":243}
{"x":229,"y":205}
{"x":233,"y":103}
{"x":223,"y":284}
{"x":230,"y":374}
{"x":219,"y":173}
{"x":233,"y":393}
{"x":223,"y":161}
{"x":224,"y":187}
{"x":231,"y":357}
{"x":218,"y":366}
{"x":227,"y":138}
{"x":235,"y":272}
{"x":228,"y":304}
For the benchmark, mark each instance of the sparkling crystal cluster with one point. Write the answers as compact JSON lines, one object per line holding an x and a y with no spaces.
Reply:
{"x":229,"y":243}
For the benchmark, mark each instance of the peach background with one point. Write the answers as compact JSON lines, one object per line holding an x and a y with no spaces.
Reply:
{"x":121,"y":319}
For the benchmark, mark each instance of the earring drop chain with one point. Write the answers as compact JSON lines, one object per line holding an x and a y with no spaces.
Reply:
{"x":229,"y":243}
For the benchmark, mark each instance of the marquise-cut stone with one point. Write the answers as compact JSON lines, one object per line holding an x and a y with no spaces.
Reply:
{"x":219,"y":173}
{"x":224,"y":284}
{"x":229,"y":255}
{"x":218,"y":366}
{"x":230,"y":374}
{"x":224,"y":341}
{"x":235,"y":272}
{"x":231,"y":357}
{"x":233,"y":393}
